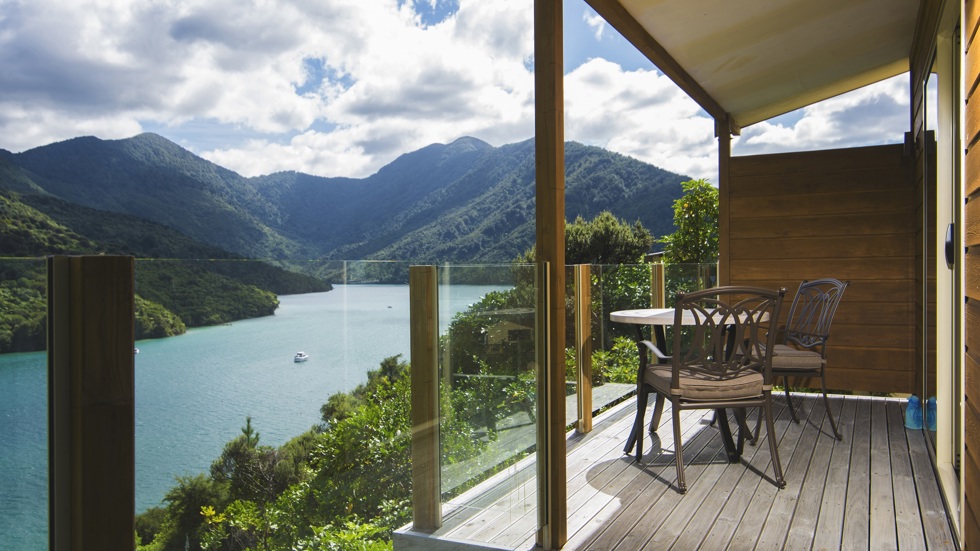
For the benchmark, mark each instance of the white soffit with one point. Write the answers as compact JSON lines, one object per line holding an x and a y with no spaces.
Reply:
{"x":762,"y":58}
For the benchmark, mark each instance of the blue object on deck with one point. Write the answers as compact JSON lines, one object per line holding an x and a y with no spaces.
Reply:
{"x":913,"y":413}
{"x":931,"y":414}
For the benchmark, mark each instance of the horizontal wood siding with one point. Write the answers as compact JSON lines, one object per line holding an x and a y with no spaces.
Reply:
{"x":848,"y":214}
{"x":970,"y":529}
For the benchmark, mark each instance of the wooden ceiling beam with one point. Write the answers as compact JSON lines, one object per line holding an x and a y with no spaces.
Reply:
{"x":623,"y":21}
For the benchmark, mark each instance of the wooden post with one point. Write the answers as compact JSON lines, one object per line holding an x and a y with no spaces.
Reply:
{"x":723,"y":130}
{"x":549,"y":149}
{"x":658,"y":292}
{"x":91,"y":413}
{"x":583,"y":345}
{"x":426,"y":474}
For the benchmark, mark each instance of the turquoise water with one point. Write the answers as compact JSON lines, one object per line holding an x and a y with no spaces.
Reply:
{"x":193,"y":392}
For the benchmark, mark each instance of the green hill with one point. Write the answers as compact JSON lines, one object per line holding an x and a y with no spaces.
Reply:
{"x":466,"y":201}
{"x":172,"y":292}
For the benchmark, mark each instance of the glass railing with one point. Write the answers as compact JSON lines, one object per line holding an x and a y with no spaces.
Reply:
{"x":487,"y":393}
{"x":280,"y":413}
{"x":237,"y":433}
{"x":239,"y":437}
{"x":612,"y":346}
{"x":23,"y":404}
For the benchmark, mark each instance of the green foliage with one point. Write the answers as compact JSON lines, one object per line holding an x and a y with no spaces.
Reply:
{"x":617,"y":287}
{"x":696,"y":218}
{"x":605,"y":240}
{"x":23,"y":306}
{"x":199,"y":295}
{"x":153,"y":321}
{"x":338,"y":407}
{"x":345,"y":486}
{"x":618,"y":364}
{"x":522,"y":392}
{"x":182,"y":524}
{"x":148,"y":524}
{"x":26,"y":232}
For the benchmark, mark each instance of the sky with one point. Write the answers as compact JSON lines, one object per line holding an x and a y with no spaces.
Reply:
{"x":343,"y":87}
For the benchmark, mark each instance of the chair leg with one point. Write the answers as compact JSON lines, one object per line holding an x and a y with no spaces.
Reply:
{"x":758,"y":424}
{"x":744,"y":432}
{"x":773,"y":446}
{"x":658,"y":413}
{"x":636,"y":436}
{"x":678,"y":452}
{"x":789,"y":401}
{"x":826,"y":405}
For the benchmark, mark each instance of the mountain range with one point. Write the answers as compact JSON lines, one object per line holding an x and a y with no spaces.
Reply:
{"x":466,"y":201}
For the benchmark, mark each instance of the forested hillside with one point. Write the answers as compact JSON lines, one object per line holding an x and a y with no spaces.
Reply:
{"x":466,"y":201}
{"x":179,"y":282}
{"x":194,"y":225}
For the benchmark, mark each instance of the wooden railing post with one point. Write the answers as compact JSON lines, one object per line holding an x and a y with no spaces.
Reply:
{"x":658,"y":292}
{"x":91,"y":413}
{"x":424,"y":322}
{"x":583,"y":345}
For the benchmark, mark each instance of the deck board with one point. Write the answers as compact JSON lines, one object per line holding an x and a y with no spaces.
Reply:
{"x":882,"y":529}
{"x":907,"y":518}
{"x":800,"y":534}
{"x":875,"y":489}
{"x":795,"y":467}
{"x":830,"y":523}
{"x":857,"y":510}
{"x":934,"y":521}
{"x":760,"y":506}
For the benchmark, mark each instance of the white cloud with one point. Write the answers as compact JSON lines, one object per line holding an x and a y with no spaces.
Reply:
{"x":390,"y":83}
{"x":872,"y":115}
{"x":595,"y":22}
{"x":341,"y":88}
{"x":641,"y":114}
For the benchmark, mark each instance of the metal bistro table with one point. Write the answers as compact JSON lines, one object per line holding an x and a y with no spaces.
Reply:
{"x":658,"y":319}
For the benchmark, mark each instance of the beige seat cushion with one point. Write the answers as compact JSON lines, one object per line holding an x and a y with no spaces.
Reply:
{"x":788,"y":358}
{"x":699,"y":386}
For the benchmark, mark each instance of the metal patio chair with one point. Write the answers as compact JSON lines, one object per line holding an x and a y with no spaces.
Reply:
{"x":803,"y":348}
{"x":723,"y":362}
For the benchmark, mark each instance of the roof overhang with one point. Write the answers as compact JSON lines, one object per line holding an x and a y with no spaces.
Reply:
{"x":750,"y":60}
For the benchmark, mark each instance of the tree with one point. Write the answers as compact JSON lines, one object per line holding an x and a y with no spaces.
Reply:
{"x":696,"y":217}
{"x":603,"y":240}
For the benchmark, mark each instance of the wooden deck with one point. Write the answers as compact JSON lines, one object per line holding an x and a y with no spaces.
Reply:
{"x":874,"y":490}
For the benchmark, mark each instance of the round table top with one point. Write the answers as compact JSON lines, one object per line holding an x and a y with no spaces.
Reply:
{"x":656,"y":316}
{"x":644,"y":316}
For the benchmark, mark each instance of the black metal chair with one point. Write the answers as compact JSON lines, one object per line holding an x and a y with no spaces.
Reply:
{"x":803,"y":348}
{"x":721,"y":359}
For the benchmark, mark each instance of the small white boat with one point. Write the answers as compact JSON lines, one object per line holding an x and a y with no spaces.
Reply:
{"x":301,"y":357}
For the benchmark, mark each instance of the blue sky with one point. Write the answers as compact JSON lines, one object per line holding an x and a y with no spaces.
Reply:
{"x":342,"y":87}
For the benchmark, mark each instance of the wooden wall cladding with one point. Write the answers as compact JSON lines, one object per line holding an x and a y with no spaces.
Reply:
{"x":848,"y":214}
{"x":970,"y":529}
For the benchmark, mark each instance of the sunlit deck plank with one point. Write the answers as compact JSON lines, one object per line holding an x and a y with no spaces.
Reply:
{"x":831,"y":521}
{"x":796,"y":466}
{"x":857,"y":506}
{"x":759,"y":507}
{"x":882,"y":530}
{"x":802,"y":528}
{"x":935,"y":524}
{"x":908,"y":521}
